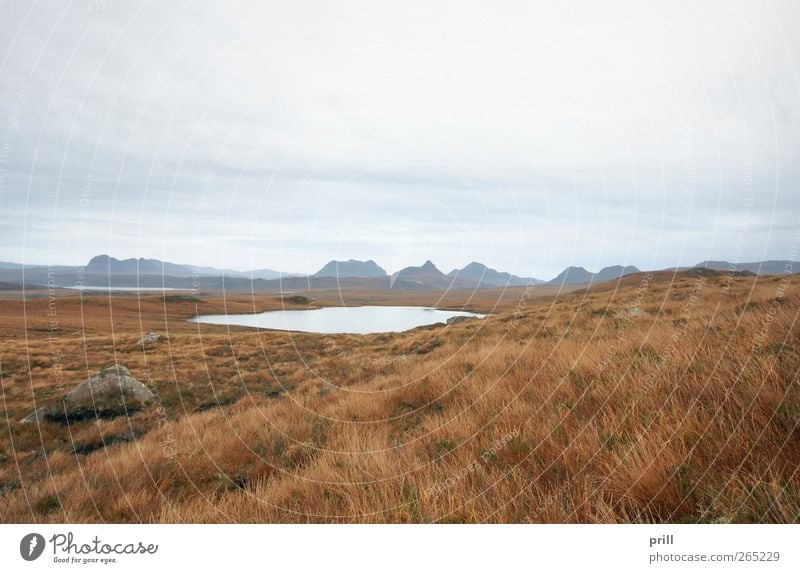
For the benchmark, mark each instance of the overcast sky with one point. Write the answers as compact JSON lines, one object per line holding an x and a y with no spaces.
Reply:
{"x":529,"y":136}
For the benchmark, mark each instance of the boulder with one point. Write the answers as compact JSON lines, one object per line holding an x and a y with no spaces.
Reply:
{"x":111,"y":392}
{"x":150,"y":338}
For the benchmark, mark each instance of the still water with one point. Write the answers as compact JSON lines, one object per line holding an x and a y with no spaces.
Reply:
{"x":122,"y":288}
{"x":337,"y":319}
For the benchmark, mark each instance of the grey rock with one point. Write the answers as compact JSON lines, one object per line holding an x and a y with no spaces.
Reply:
{"x":35,"y":416}
{"x":150,"y":338}
{"x":634,"y":311}
{"x":111,"y":392}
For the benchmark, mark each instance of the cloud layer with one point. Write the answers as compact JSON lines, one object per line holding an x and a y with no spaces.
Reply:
{"x":525,"y":135}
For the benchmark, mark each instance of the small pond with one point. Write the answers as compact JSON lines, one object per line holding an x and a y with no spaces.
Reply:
{"x":340,"y":320}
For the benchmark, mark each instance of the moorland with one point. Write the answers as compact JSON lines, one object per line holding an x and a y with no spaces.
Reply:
{"x":659,"y":397}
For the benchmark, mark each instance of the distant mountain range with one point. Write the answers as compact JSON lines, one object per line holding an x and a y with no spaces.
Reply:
{"x":104,"y":270}
{"x":426,"y":276}
{"x":105,"y":265}
{"x":761,"y":268}
{"x":9,"y":266}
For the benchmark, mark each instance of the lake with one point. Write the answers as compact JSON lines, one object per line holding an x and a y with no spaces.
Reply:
{"x":340,"y":320}
{"x":123,"y":289}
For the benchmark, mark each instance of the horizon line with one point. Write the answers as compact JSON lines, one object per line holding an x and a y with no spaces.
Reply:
{"x":389,"y":274}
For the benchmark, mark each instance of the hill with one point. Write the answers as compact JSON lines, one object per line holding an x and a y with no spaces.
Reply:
{"x":106,"y":265}
{"x":759,"y":268}
{"x":350,"y":269}
{"x":425,"y":277}
{"x":614,"y":272}
{"x":481,"y":276}
{"x":15,"y":286}
{"x":579,"y":275}
{"x":572,"y":275}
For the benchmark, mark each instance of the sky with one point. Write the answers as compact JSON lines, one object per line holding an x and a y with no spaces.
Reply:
{"x":525,"y":135}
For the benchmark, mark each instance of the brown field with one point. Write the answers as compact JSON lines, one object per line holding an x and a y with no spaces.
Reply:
{"x":557,"y":408}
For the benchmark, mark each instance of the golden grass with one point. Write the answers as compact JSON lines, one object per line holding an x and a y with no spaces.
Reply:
{"x":555,"y":409}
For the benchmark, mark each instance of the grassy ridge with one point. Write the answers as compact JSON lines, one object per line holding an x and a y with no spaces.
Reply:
{"x":659,"y":398}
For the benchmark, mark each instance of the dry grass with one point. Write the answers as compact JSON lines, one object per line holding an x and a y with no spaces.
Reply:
{"x":555,"y":409}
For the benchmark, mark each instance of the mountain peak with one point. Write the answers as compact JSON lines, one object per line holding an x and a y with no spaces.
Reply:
{"x":579,"y":275}
{"x":614,"y":272}
{"x":426,"y":276}
{"x":350,"y":269}
{"x":478,"y":275}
